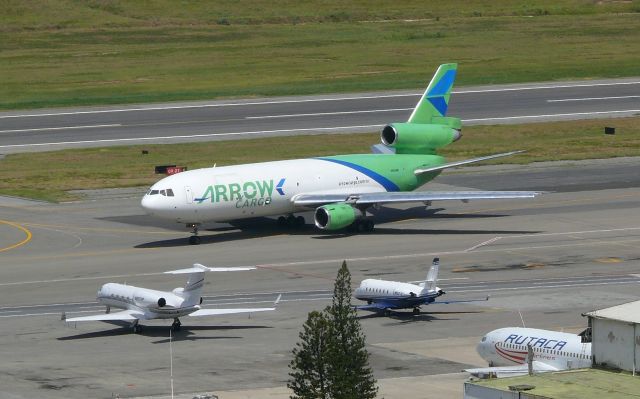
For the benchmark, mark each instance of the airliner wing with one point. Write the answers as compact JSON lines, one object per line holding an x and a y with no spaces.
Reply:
{"x":217,"y":312}
{"x":510,"y":371}
{"x":126,"y":315}
{"x":403,"y":196}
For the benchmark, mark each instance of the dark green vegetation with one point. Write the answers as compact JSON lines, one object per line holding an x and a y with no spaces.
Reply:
{"x":49,"y":175}
{"x":80,"y":52}
{"x":331,"y":360}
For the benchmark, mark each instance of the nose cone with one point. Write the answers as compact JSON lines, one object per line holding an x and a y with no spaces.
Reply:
{"x":150,"y":204}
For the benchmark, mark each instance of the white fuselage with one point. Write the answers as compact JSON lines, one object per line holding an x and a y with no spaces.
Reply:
{"x":394,"y":292}
{"x":508,"y":347}
{"x":144,"y":300}
{"x":251,"y":190}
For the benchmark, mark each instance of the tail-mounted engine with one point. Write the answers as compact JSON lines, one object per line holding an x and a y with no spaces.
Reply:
{"x":417,"y":138}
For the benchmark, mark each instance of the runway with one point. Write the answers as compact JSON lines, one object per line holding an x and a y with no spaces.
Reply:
{"x":51,"y":129}
{"x":549,"y":259}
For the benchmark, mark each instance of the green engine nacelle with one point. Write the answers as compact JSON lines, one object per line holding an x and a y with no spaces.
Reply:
{"x":336,"y":216}
{"x":414,"y":138}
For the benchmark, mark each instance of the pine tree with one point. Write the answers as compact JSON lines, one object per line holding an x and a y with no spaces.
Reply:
{"x":350,"y":374}
{"x":331,"y":360}
{"x":309,"y":367}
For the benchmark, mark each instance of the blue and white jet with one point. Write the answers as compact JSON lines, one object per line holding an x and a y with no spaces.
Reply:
{"x":384,"y":295}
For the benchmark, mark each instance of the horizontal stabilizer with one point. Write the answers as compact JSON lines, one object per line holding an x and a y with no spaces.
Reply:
{"x":125,"y":315}
{"x":382,"y":149}
{"x":217,"y":312}
{"x":197,"y":268}
{"x":465,"y":162}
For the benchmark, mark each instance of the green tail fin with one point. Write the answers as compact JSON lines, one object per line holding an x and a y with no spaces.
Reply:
{"x":435,"y":100}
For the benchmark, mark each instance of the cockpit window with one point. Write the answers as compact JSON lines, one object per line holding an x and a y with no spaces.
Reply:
{"x":153,"y":192}
{"x":163,"y":192}
{"x":484,"y":338}
{"x":169,"y":192}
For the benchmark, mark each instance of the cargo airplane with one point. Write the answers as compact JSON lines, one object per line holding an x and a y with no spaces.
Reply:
{"x":339,"y":188}
{"x":146,"y":304}
{"x":507,"y":351}
{"x":384,"y":295}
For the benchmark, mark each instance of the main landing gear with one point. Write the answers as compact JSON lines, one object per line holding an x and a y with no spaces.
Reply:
{"x":291,"y":221}
{"x":135,"y":327}
{"x":176,"y":324}
{"x":194,"y":239}
{"x":416,"y":311}
{"x":362,"y":226}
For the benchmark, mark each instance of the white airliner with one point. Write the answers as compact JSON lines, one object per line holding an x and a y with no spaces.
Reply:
{"x":339,"y":188}
{"x":506,"y":351}
{"x":146,"y":304}
{"x":384,"y":295}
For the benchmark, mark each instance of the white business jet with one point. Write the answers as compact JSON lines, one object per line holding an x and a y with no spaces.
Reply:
{"x":506,"y":350}
{"x":384,"y":295}
{"x":146,"y":304}
{"x":341,"y":188}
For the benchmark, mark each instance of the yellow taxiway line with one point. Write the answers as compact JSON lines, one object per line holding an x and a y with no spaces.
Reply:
{"x":18,"y":244}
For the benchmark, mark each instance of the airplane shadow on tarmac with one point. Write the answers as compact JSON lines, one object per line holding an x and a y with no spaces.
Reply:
{"x":186,"y":333}
{"x":267,"y":227}
{"x":403,"y":317}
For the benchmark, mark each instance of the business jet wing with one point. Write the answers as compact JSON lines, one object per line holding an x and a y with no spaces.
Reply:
{"x":375,"y":306}
{"x":125,"y":315}
{"x":461,"y":301}
{"x":311,"y":200}
{"x":217,"y":312}
{"x":511,"y":371}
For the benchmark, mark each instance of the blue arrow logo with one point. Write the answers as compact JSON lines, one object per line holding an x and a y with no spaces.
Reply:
{"x":279,"y":186}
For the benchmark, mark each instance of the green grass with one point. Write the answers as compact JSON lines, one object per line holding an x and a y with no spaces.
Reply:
{"x":66,"y":52}
{"x":50,"y":175}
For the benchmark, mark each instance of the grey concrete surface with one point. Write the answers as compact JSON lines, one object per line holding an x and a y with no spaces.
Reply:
{"x":51,"y":129}
{"x":551,"y":259}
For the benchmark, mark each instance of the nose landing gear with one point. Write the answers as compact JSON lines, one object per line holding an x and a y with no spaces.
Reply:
{"x":194,"y":239}
{"x":176,"y":324}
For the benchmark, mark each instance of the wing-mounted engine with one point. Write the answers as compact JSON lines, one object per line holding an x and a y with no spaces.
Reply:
{"x":336,"y":216}
{"x":162,"y":302}
{"x":419,"y":138}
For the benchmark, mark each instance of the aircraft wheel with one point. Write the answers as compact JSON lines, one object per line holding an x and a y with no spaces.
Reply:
{"x":368,"y":225}
{"x":300,"y":221}
{"x":194,"y":240}
{"x":137,"y":329}
{"x":387,"y":312}
{"x":361,"y":226}
{"x":282,"y":221}
{"x":416,"y":311}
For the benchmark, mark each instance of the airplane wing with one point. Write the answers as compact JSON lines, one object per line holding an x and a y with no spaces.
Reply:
{"x":126,"y":315}
{"x":311,"y":200}
{"x":375,"y":306}
{"x":217,"y":312}
{"x":462,"y":301}
{"x":511,"y":371}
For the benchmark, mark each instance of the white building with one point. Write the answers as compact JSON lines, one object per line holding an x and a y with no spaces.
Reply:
{"x":616,"y":336}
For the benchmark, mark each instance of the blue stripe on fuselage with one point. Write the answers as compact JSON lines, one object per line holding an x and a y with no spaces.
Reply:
{"x":383,"y":181}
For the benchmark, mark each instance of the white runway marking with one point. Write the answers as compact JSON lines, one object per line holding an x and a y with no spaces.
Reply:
{"x":259,"y":132}
{"x":590,"y":99}
{"x":328,"y":113}
{"x":505,"y":118}
{"x":482,"y":244}
{"x":236,"y":104}
{"x":60,"y":128}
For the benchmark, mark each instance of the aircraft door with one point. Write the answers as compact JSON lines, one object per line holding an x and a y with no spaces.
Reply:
{"x":188,"y":194}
